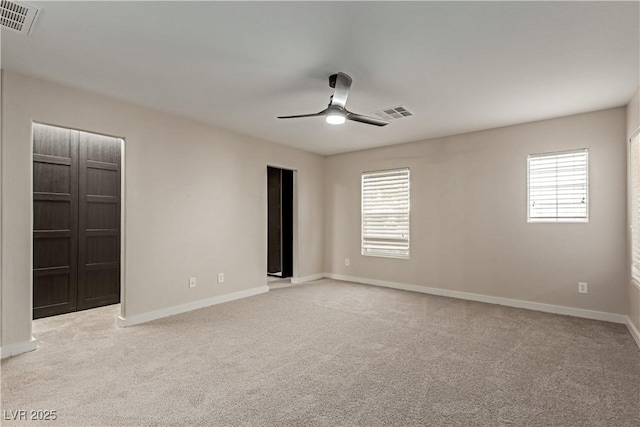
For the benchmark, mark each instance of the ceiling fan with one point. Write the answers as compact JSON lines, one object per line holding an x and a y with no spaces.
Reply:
{"x":336,"y":113}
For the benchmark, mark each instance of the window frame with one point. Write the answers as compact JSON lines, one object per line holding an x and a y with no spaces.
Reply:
{"x":557,"y":219}
{"x":363,"y":238}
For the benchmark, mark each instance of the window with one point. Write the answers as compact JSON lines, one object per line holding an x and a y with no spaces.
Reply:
{"x":558,"y":186}
{"x":634,"y":185}
{"x":385,"y":213}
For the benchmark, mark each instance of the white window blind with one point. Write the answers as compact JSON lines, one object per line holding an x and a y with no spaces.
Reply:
{"x":385,"y":213}
{"x":634,"y":181}
{"x":558,"y":186}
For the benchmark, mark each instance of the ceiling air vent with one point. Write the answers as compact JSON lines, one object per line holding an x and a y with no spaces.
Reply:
{"x":393,"y":113}
{"x":18,"y":17}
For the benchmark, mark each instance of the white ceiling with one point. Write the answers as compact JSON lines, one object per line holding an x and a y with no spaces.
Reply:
{"x":458,"y":66}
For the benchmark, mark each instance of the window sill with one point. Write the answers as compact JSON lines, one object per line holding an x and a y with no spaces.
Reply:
{"x":557,"y":221}
{"x":387,"y":256}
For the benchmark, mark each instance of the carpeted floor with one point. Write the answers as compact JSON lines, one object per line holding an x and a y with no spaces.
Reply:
{"x":278,"y":282}
{"x":330,"y":353}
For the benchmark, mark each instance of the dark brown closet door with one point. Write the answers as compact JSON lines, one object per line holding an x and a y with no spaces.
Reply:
{"x":55,"y":220}
{"x":99,"y":226}
{"x":76,"y":220}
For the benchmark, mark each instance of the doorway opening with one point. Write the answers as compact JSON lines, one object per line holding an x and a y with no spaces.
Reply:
{"x":280,"y":217}
{"x":76,"y":220}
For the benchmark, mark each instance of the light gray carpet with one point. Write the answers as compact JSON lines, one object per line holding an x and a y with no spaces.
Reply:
{"x":278,"y":282}
{"x":331,"y":353}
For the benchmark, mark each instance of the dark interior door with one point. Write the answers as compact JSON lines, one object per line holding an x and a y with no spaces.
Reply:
{"x":99,"y":229}
{"x":274,"y":221}
{"x":280,"y":222}
{"x":287,"y":223}
{"x":76,"y":203}
{"x":55,"y":220}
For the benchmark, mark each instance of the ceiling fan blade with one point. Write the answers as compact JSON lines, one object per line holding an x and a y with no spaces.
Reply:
{"x":321,"y":113}
{"x":365,"y":119}
{"x":341,"y":82}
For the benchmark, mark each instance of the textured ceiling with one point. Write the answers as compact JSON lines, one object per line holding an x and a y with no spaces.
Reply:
{"x":458,"y":66}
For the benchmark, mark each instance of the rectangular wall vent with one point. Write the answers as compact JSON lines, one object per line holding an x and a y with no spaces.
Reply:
{"x":393,"y":113}
{"x":18,"y":17}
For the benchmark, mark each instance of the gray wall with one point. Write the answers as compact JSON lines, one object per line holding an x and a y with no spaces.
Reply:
{"x":469,"y":229}
{"x":196,"y":205}
{"x":195,"y":201}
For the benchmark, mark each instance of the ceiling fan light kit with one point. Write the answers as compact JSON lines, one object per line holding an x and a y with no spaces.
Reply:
{"x":335,"y":118}
{"x":336,"y":113}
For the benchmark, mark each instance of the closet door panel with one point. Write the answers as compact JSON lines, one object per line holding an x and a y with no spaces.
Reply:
{"x":99,"y":225}
{"x":55,"y":220}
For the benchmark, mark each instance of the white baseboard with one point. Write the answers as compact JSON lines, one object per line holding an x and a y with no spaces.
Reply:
{"x":18,"y":348}
{"x":177,"y":309}
{"x":312,"y":277}
{"x":633,"y":331}
{"x":537,"y":306}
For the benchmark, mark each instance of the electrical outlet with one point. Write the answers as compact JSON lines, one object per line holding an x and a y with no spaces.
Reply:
{"x":346,"y":261}
{"x":220,"y":277}
{"x":192,"y":282}
{"x":582,"y":287}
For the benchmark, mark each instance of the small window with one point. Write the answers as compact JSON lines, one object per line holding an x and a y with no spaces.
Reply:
{"x":558,"y":186}
{"x":385,"y":213}
{"x":634,"y":186}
